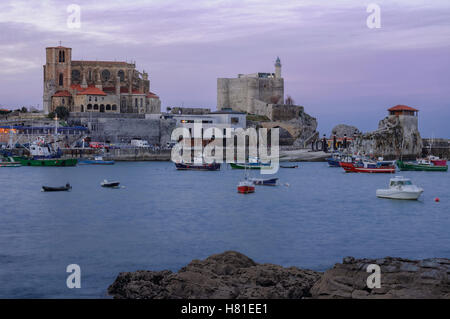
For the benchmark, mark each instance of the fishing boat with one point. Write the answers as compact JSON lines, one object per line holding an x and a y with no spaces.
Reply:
{"x":98,"y":160}
{"x":29,"y":161}
{"x":265,"y":182}
{"x":400,"y":188}
{"x":57,"y":189}
{"x":246,"y":187}
{"x":432,"y":160}
{"x":9,"y":162}
{"x":368,"y":167}
{"x":421,"y":166}
{"x":106,"y":183}
{"x":43,"y":154}
{"x":334,"y":160}
{"x":198,"y":166}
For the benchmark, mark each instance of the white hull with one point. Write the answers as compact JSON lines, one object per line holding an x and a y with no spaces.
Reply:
{"x":398,"y":194}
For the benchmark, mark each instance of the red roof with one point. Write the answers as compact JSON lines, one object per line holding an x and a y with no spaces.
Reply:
{"x":92,"y":91}
{"x":76,"y":87}
{"x":402,"y":108}
{"x":152,"y":95}
{"x":63,"y":93}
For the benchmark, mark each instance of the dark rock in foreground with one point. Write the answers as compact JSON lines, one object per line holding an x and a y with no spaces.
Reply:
{"x":232,"y":275}
{"x":400,"y":278}
{"x":229,"y":275}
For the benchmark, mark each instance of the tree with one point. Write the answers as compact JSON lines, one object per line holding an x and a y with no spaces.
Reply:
{"x":23,"y":110}
{"x":62,"y":112}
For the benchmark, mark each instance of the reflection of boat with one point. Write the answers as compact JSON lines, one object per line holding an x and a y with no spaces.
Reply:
{"x":105,"y":183}
{"x":368,"y":167}
{"x":198,"y":166}
{"x":421,"y":166}
{"x":9,"y":162}
{"x":262,"y":181}
{"x":246,"y":187}
{"x":400,"y":188}
{"x":98,"y":160}
{"x":288,"y":166}
{"x":57,"y":189}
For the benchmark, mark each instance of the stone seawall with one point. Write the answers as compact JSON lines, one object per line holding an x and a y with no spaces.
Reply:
{"x":137,"y":154}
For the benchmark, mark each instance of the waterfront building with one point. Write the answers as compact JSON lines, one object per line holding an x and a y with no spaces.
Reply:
{"x":95,"y":86}
{"x":221,"y":119}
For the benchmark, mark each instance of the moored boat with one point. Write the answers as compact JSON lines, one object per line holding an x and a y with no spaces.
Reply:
{"x":57,"y":189}
{"x":367,"y":167}
{"x":400,"y":188}
{"x":106,"y":183}
{"x":98,"y":160}
{"x":265,"y":182}
{"x":43,"y":154}
{"x":61,"y":162}
{"x":246,"y":187}
{"x":421,"y":166}
{"x":289,"y":166}
{"x":198,"y":166}
{"x":249,"y":165}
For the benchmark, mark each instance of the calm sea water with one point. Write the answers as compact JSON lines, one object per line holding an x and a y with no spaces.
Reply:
{"x":163,"y":218}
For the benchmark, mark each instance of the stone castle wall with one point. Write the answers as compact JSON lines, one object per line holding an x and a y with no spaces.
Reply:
{"x":239,"y":94}
{"x":121,"y":128}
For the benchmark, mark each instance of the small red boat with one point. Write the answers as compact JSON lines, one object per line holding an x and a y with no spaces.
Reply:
{"x":367,"y":167}
{"x":246,"y":187}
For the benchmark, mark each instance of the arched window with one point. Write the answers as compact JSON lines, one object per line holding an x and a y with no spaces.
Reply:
{"x":61,"y":79}
{"x":63,"y":101}
{"x":114,"y":107}
{"x":121,"y":75}
{"x":108,"y":107}
{"x":95,"y":106}
{"x":105,"y":75}
{"x":62,"y":56}
{"x":89,"y":106}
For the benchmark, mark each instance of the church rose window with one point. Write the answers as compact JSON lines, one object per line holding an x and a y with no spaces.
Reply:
{"x":105,"y":75}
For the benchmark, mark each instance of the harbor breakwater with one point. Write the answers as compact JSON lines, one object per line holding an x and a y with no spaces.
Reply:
{"x":232,"y":275}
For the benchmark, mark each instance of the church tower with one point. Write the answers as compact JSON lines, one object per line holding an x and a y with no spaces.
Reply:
{"x":57,"y":73}
{"x":278,"y":68}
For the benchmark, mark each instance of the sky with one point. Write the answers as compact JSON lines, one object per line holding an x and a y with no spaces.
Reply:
{"x":339,"y":69}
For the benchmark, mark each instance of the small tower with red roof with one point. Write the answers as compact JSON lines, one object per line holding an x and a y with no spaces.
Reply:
{"x":403,"y":110}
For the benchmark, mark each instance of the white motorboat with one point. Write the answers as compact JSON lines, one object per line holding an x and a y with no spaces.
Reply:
{"x":400,"y":188}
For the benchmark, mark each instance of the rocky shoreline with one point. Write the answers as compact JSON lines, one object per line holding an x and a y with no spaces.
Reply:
{"x":232,"y":275}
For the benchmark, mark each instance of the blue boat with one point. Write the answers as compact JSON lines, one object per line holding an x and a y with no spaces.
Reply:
{"x":265,"y":182}
{"x":333,"y":162}
{"x":98,"y":160}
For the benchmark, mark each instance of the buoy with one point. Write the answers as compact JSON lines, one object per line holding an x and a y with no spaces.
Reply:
{"x":437,"y":200}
